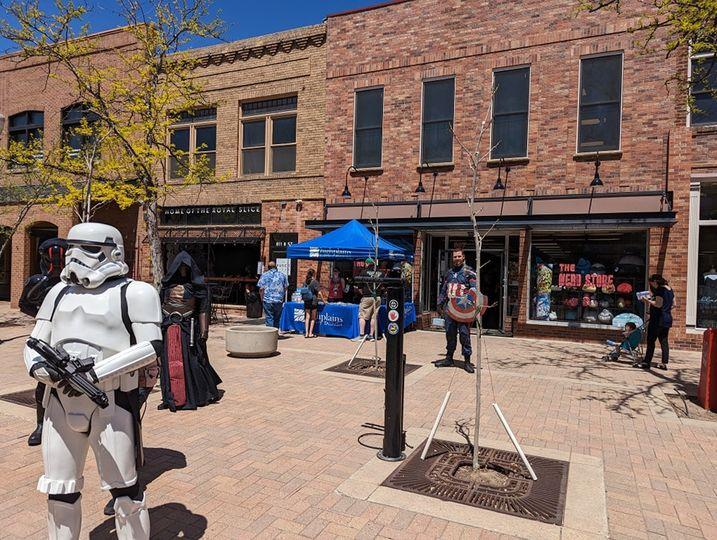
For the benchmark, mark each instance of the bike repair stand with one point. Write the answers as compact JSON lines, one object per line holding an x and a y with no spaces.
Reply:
{"x":394,"y":438}
{"x":374,"y":330}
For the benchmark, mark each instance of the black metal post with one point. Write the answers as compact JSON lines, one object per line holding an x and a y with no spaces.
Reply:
{"x":393,"y":437}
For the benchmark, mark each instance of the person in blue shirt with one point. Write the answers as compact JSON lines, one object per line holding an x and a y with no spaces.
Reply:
{"x":630,"y":343}
{"x":457,"y":282}
{"x":272,"y":289}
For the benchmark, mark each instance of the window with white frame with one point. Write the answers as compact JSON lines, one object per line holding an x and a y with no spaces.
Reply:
{"x":706,"y":267}
{"x":192,"y":137}
{"x":269,"y":136}
{"x":703,"y":89}
{"x":437,"y":118}
{"x":509,"y":130}
{"x":600,"y":103}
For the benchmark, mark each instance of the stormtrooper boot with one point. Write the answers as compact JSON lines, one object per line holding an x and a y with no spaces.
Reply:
{"x":131,"y":518}
{"x":64,"y":520}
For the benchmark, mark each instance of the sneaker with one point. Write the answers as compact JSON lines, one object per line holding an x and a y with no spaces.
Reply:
{"x":662,"y":366}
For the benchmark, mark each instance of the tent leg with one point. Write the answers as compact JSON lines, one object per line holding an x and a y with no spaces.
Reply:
{"x":363,"y":340}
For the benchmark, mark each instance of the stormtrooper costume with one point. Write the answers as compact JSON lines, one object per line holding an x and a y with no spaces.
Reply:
{"x":95,"y":312}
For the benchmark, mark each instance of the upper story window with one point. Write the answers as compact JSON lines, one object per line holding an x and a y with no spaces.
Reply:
{"x":271,"y":121}
{"x":368,"y":134}
{"x":193,"y":135}
{"x":436,"y":136}
{"x":703,"y":89}
{"x":72,"y":120}
{"x":600,"y":103}
{"x":26,"y":126}
{"x":511,"y":100}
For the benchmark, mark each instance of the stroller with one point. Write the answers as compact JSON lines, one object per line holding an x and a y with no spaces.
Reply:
{"x":631,"y":345}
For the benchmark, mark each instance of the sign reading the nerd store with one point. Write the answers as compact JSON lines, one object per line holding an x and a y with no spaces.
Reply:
{"x":234,"y":214}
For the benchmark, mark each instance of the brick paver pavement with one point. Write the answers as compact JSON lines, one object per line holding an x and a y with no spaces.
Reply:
{"x":266,"y":461}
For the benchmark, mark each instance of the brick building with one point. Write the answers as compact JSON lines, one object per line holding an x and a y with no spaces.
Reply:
{"x":263,"y":127}
{"x":36,"y":106}
{"x":566,"y":253}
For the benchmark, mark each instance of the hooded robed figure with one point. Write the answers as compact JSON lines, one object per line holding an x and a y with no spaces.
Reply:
{"x":187,"y":378}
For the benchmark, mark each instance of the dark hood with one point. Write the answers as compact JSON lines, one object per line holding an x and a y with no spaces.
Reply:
{"x":52,"y":256}
{"x":172,"y":276}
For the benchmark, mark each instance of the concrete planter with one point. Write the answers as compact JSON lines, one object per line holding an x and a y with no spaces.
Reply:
{"x":251,"y":341}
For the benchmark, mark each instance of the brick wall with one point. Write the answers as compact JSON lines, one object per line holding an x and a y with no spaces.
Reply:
{"x":412,"y":41}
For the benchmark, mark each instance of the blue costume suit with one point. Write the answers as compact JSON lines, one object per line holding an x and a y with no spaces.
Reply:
{"x":457,"y":282}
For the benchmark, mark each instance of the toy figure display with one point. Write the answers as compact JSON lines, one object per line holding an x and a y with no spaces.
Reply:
{"x":94,"y":332}
{"x":52,"y":261}
{"x":188,"y":380}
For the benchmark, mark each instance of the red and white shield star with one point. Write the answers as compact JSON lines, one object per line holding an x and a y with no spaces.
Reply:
{"x":465,"y":307}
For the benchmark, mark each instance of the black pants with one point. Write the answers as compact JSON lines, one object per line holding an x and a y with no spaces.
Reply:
{"x":653,"y":334}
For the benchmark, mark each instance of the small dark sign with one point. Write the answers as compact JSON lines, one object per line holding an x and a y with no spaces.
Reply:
{"x":235,"y":214}
{"x":278,"y":244}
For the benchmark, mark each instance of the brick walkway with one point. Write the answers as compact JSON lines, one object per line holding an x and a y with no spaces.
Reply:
{"x":266,"y":461}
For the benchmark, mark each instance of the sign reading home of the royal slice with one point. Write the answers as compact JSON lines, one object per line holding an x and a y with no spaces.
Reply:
{"x":233,"y":214}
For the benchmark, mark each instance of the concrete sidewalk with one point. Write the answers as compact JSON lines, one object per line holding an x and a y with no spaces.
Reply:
{"x":267,"y":460}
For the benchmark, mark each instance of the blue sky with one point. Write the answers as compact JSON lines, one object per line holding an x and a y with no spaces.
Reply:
{"x":243,"y":18}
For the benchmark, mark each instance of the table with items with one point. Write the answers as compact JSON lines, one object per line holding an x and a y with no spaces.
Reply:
{"x":338,"y":319}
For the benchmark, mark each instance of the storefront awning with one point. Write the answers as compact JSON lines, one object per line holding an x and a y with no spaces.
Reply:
{"x":212,"y":235}
{"x":620,"y":210}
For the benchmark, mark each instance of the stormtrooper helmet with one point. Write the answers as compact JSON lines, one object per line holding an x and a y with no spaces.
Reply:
{"x":95,"y":253}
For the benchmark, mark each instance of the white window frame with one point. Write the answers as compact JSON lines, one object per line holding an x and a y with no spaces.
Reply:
{"x":695,"y":225}
{"x":420,"y":124}
{"x":527,"y":126}
{"x":622,"y":101}
{"x":353,"y":127}
{"x":689,"y":89}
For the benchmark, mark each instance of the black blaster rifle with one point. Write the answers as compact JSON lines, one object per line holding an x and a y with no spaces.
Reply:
{"x":71,"y":369}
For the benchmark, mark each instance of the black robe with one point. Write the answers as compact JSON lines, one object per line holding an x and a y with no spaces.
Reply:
{"x":188,"y":380}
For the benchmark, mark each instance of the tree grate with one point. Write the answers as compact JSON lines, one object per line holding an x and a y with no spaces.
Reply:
{"x":443,"y":475}
{"x":26,"y":398}
{"x":367,"y":367}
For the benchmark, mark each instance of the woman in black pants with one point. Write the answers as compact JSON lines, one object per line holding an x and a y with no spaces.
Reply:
{"x":658,"y":327}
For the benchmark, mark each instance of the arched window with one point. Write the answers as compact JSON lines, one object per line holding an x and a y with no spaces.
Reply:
{"x":26,"y":126}
{"x":72,"y":117}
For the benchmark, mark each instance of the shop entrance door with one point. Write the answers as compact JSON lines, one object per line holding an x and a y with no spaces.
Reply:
{"x":491,"y":280}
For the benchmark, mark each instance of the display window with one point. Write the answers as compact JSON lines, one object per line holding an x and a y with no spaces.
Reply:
{"x":587,"y":278}
{"x":707,"y":278}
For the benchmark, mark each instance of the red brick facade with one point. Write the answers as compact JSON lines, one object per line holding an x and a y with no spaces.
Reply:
{"x":402,"y":44}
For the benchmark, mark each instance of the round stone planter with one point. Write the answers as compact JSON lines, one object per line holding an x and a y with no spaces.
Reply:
{"x":251,"y":341}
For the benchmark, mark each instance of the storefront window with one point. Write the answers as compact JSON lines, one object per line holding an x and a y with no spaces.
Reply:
{"x":707,"y":278}
{"x":586,"y":278}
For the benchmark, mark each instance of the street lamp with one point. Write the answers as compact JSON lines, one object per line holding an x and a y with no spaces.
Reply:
{"x":346,"y":193}
{"x":596,"y":179}
{"x":499,"y":182}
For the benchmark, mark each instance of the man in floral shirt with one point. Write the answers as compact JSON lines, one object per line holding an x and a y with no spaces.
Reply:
{"x":272,"y":288}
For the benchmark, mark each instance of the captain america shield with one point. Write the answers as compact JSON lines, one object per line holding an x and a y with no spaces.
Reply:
{"x":463,"y":308}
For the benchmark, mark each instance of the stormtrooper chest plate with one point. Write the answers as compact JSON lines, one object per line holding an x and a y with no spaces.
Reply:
{"x":92,"y":316}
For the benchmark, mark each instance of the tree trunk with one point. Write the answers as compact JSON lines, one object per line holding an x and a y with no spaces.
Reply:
{"x":149,"y":211}
{"x":12,"y":230}
{"x":479,"y":351}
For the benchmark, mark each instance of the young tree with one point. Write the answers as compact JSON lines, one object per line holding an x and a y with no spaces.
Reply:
{"x":134,"y":97}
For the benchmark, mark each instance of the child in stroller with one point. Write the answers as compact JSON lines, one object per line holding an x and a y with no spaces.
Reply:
{"x":629,"y":346}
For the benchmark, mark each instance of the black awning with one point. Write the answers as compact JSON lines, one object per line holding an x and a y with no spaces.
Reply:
{"x":212,"y":235}
{"x":536,"y":222}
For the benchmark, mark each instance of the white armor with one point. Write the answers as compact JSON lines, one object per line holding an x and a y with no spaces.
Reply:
{"x":86,"y":315}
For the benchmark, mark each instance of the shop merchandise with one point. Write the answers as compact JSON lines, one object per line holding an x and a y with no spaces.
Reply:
{"x":598,"y":268}
{"x":590,"y":316}
{"x":605,"y":316}
{"x":589,"y":287}
{"x":609,"y":288}
{"x":544,"y":279}
{"x":542,"y":306}
{"x":624,"y":288}
{"x":583,"y":266}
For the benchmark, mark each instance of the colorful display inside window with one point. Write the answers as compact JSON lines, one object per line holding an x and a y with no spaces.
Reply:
{"x":587,"y":278}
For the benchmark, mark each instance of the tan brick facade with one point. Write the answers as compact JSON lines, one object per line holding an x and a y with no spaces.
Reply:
{"x":464,"y":40}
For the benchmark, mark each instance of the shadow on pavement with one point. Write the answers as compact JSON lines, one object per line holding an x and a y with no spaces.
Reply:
{"x":158,"y":461}
{"x":171,"y":520}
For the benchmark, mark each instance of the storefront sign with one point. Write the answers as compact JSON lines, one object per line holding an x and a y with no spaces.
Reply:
{"x":283,"y":266}
{"x":567,"y":277}
{"x":278,"y":244}
{"x":236,"y":214}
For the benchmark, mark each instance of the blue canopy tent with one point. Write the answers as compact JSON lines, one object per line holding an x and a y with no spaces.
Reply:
{"x":352,"y":241}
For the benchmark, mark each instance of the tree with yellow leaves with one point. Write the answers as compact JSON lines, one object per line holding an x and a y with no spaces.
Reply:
{"x":129,"y":102}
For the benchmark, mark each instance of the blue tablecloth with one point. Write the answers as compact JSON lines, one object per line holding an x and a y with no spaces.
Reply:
{"x":336,"y":319}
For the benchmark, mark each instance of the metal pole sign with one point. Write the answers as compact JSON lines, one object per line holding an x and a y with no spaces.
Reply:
{"x":394,"y":441}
